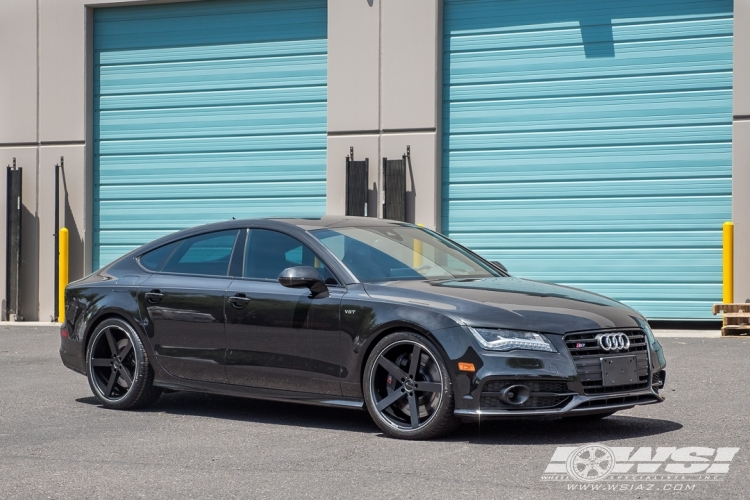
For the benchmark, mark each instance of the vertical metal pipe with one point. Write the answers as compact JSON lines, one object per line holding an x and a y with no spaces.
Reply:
{"x":728,"y":257}
{"x":63,"y":273}
{"x":13,"y":232}
{"x":19,"y":241}
{"x":57,"y":241}
{"x":384,"y":187}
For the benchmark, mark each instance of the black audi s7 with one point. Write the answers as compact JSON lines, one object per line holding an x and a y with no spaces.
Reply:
{"x":353,"y":312}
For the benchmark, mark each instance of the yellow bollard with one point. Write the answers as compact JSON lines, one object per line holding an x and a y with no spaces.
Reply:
{"x":417,"y":253}
{"x":63,"y":273}
{"x":728,"y":263}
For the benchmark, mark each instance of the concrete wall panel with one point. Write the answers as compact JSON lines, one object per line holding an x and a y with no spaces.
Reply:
{"x":422,"y":183}
{"x":18,"y":85}
{"x":62,"y":75}
{"x":62,"y":68}
{"x":365,"y":146}
{"x":742,"y":58}
{"x":353,"y":65}
{"x":741,"y":150}
{"x":72,"y":195}
{"x":741,"y":208}
{"x":410,"y":66}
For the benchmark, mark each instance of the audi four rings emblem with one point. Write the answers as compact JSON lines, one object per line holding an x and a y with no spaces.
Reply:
{"x":613,"y":341}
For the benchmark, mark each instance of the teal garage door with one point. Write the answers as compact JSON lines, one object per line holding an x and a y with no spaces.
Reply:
{"x":205,"y":111}
{"x":590,"y":143}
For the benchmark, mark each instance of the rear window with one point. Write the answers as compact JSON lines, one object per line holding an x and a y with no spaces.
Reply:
{"x":155,"y":259}
{"x":207,"y":254}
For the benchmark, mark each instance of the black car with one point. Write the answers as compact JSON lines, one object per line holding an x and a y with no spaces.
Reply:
{"x":353,"y":312}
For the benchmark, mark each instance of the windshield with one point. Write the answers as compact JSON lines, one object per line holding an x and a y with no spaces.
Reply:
{"x":401,"y":253}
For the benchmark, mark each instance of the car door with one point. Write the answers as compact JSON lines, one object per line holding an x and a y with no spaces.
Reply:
{"x":183,"y":305}
{"x":277,"y":337}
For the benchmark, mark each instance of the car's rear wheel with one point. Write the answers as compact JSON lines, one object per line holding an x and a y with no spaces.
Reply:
{"x":407,"y":388}
{"x":117,"y":367}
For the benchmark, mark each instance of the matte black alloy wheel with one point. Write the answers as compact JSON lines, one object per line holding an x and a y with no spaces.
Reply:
{"x":113,"y":364}
{"x":408,"y":389}
{"x":118,"y":370}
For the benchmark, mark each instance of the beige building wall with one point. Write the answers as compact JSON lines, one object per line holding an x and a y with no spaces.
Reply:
{"x":384,"y":94}
{"x":44,"y":111}
{"x":19,"y":137}
{"x":741,"y":151}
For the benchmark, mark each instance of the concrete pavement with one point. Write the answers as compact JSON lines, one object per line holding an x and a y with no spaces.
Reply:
{"x":57,"y":442}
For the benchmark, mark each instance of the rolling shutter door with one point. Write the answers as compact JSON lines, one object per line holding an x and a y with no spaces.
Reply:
{"x":206,"y":111}
{"x":589,"y":144}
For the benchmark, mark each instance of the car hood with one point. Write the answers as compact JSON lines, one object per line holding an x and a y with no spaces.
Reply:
{"x":512,"y":303}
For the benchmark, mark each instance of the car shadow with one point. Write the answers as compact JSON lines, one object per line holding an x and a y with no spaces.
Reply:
{"x":532,"y":431}
{"x":562,"y":431}
{"x":258,"y":411}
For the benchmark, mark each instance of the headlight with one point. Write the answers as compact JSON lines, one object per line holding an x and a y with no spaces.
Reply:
{"x":507,"y":340}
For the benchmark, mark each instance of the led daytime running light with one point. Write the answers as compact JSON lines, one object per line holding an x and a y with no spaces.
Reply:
{"x":507,"y":340}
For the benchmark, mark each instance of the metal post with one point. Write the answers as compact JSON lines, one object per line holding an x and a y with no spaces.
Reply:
{"x":13,"y":243}
{"x":349,"y":160}
{"x":18,"y":255}
{"x":63,"y":273}
{"x":728,"y":257}
{"x":58,"y":168}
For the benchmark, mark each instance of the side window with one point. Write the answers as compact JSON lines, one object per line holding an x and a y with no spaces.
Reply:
{"x":155,"y":259}
{"x":267,"y":253}
{"x":207,"y":254}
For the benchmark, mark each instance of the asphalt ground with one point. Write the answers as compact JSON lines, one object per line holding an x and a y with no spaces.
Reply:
{"x":56,"y":441}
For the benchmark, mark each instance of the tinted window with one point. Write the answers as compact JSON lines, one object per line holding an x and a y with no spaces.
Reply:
{"x":400,"y":253}
{"x":155,"y":259}
{"x":205,"y":254}
{"x":269,"y":252}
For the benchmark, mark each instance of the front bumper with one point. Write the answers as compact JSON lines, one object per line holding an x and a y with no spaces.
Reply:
{"x":559,"y":384}
{"x":578,"y":405}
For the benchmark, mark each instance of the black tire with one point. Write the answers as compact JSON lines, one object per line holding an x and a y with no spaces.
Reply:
{"x":592,"y":417}
{"x":391,"y":384}
{"x":117,"y":367}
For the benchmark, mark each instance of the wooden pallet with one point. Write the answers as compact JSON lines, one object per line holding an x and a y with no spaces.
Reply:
{"x":736,"y":319}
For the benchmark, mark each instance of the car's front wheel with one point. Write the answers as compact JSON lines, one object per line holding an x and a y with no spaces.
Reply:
{"x":117,"y":367}
{"x":407,"y":388}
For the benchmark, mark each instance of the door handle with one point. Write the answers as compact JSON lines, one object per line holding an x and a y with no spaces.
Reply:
{"x":154,"y":296}
{"x":239,"y":301}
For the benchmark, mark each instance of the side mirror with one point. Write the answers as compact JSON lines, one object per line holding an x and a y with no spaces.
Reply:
{"x":303,"y":277}
{"x":500,"y":266}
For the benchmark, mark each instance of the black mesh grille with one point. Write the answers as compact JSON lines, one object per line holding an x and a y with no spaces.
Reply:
{"x":587,"y":355}
{"x":356,"y":187}
{"x":585,"y":344}
{"x":498,"y":385}
{"x":394,"y":189}
{"x":618,"y":401}
{"x":488,"y":402}
{"x":544,"y":394}
{"x":657,"y":380}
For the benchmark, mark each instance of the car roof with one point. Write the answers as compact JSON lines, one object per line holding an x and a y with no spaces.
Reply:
{"x":336,"y":221}
{"x":304,"y":224}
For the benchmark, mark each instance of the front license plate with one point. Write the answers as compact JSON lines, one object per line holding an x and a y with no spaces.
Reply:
{"x":621,"y":370}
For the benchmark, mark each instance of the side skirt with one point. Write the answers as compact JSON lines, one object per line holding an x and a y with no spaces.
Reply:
{"x":258,"y":393}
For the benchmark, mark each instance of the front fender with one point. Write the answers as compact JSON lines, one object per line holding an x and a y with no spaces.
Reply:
{"x":365,"y":321}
